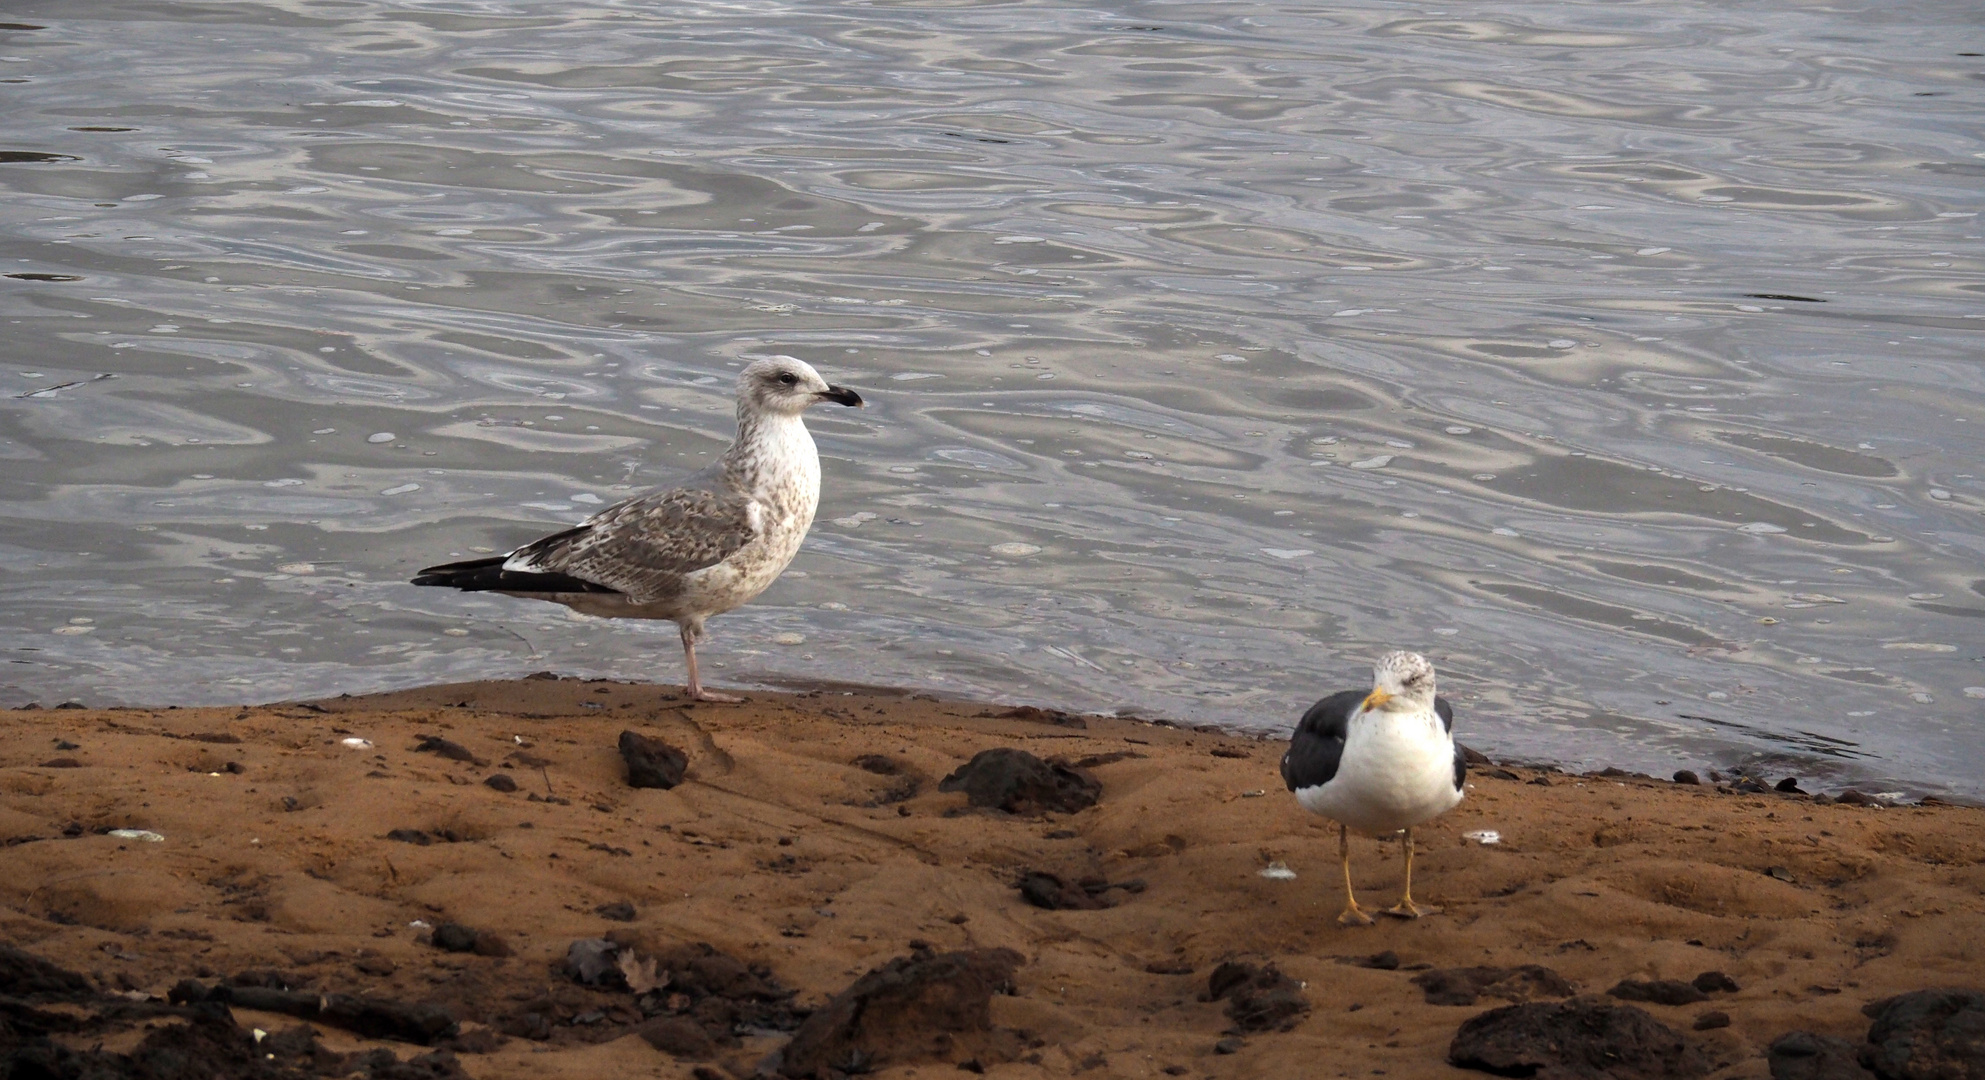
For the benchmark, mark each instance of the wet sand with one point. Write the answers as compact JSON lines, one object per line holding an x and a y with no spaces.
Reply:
{"x":782,"y":851}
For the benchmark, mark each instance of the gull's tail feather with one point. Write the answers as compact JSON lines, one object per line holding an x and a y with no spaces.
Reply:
{"x":488,"y":575}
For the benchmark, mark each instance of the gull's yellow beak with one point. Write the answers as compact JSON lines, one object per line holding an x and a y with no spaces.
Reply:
{"x":1376,"y":699}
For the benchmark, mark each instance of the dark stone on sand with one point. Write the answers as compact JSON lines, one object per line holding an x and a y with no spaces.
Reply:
{"x":1789,"y":785}
{"x":1852,"y":797}
{"x":724,"y":992}
{"x":454,"y":937}
{"x":27,"y":976}
{"x":1715,"y":982}
{"x":379,"y":1018}
{"x":1045,"y":890}
{"x":1463,"y":986}
{"x":267,"y":978}
{"x":61,"y":763}
{"x":1384,"y":961}
{"x":1658,"y":991}
{"x":1928,"y":1035}
{"x":652,"y":763}
{"x":374,"y":1018}
{"x":448,"y":748}
{"x":1750,"y":786}
{"x":1020,"y":783}
{"x":1684,"y":776}
{"x":1258,"y":998}
{"x":618,"y":912}
{"x":1044,"y":716}
{"x":1229,"y":1045}
{"x":679,"y":1036}
{"x":501,"y":782}
{"x":1500,"y":774}
{"x":928,"y":1005}
{"x":410,"y":836}
{"x":1472,"y":755}
{"x":1580,"y":1039}
{"x":1802,"y":1055}
{"x":1712,"y":1020}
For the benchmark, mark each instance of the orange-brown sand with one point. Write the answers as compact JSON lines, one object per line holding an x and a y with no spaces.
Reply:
{"x":780,"y":852}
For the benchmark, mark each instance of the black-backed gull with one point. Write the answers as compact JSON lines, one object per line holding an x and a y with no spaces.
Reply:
{"x":1378,"y":761}
{"x":691,"y":551}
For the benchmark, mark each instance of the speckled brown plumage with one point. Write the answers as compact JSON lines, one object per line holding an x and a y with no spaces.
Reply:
{"x":700,"y":548}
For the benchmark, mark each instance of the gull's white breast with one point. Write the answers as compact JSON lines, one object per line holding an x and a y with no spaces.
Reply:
{"x":1397,"y":771}
{"x":781,"y":470}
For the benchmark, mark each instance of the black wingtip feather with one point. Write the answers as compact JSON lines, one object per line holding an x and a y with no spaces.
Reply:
{"x":488,"y":575}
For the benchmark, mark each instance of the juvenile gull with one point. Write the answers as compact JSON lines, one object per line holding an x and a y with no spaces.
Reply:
{"x":692,"y":551}
{"x":1379,"y":762}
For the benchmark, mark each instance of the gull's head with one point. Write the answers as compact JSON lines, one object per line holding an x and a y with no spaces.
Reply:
{"x":786,"y":385}
{"x":1402,"y":682}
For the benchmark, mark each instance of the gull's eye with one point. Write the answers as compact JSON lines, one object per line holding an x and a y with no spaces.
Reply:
{"x":789,"y":378}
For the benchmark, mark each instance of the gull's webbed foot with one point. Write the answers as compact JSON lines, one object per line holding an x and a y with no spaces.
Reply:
{"x":1407,"y":909}
{"x":1354,"y":916}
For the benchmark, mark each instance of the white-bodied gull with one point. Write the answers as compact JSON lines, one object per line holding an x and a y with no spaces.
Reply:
{"x":1378,"y":761}
{"x":691,"y":551}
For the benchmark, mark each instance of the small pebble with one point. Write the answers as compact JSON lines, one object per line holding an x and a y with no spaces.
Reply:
{"x":1228,"y":1046}
{"x":1710,"y":1021}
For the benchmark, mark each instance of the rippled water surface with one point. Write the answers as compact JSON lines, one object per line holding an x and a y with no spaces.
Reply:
{"x":1624,"y":357}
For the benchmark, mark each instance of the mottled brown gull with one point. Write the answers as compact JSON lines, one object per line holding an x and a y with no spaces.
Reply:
{"x":691,"y":551}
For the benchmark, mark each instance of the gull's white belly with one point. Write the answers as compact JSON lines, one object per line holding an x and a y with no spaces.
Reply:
{"x":749,"y":571}
{"x":1397,"y":771}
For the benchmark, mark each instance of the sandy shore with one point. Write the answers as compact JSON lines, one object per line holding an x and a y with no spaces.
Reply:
{"x":286,"y":850}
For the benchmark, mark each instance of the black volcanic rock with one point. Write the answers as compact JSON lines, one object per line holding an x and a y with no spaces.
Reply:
{"x":1020,"y":783}
{"x":1581,"y":1039}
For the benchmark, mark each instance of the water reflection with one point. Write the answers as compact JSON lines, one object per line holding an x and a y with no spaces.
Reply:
{"x":1621,"y":359}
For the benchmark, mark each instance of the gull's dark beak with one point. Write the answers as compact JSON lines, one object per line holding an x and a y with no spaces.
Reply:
{"x":841,"y":395}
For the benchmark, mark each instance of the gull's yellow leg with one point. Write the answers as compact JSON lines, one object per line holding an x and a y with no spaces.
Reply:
{"x":1406,"y":908}
{"x":1352,"y":915}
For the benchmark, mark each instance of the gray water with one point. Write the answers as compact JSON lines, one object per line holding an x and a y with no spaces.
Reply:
{"x":1621,"y":356}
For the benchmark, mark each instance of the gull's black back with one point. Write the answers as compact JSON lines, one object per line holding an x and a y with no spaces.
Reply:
{"x":1318,"y":741}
